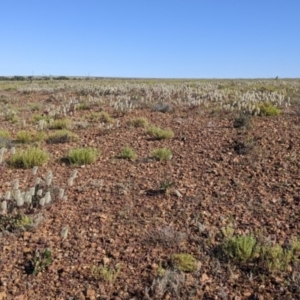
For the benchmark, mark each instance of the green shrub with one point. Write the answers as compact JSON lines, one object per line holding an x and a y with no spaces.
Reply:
{"x":60,"y":124}
{"x":37,"y":118}
{"x":276,"y":257}
{"x":105,"y":273}
{"x":82,"y":156}
{"x":268,"y":109}
{"x":61,"y":136}
{"x":139,"y":122}
{"x":105,"y":117}
{"x":15,"y":222}
{"x":12,"y":117}
{"x":4,"y":134}
{"x":184,"y":262}
{"x":159,"y":133}
{"x":25,"y":136}
{"x":41,"y":261}
{"x":28,"y":158}
{"x":241,"y":248}
{"x":94,"y":116}
{"x":128,"y":153}
{"x":162,"y":154}
{"x":84,"y":106}
{"x":35,"y":106}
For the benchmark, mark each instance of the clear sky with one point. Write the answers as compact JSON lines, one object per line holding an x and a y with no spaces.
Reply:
{"x":150,"y":38}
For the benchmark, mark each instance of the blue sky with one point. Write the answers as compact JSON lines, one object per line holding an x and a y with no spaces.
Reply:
{"x":157,"y":38}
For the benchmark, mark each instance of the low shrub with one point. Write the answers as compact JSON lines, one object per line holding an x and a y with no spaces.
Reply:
{"x":184,"y":262}
{"x":128,"y":153}
{"x":60,"y":124}
{"x":139,"y":122}
{"x":158,"y":133}
{"x":4,"y":134}
{"x":162,"y":154}
{"x":242,"y":121}
{"x":240,"y":248}
{"x":268,"y":109}
{"x":61,"y":136}
{"x":82,"y":156}
{"x":25,"y":136}
{"x":28,"y":158}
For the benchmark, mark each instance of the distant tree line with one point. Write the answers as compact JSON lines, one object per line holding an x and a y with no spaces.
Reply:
{"x":31,"y":78}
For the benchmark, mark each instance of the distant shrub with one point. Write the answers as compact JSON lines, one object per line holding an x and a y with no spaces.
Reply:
{"x":242,"y":121}
{"x":5,"y":143}
{"x":184,"y":262}
{"x":128,"y":153}
{"x":240,"y":248}
{"x":28,"y":158}
{"x":102,"y":116}
{"x":268,"y":109}
{"x":35,"y":106}
{"x":82,"y":156}
{"x":162,"y":154}
{"x":84,"y":106}
{"x":105,"y":117}
{"x":12,"y":117}
{"x":60,"y":124}
{"x":276,"y":257}
{"x":162,"y":107}
{"x":159,"y":133}
{"x":139,"y":122}
{"x":61,"y":136}
{"x":4,"y":133}
{"x":25,"y":136}
{"x":38,"y":117}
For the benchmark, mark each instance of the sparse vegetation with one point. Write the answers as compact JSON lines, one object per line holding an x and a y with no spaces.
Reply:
{"x":41,"y":261}
{"x":128,"y":153}
{"x":60,"y":124}
{"x":139,"y":122}
{"x":219,"y":219}
{"x":162,"y":154}
{"x":108,"y":274}
{"x":28,"y":158}
{"x":158,"y":133}
{"x":268,"y":109}
{"x":62,"y":136}
{"x":241,"y":248}
{"x":26,"y":136}
{"x":82,"y":156}
{"x":242,"y":121}
{"x":15,"y":222}
{"x":4,"y":134}
{"x":184,"y":262}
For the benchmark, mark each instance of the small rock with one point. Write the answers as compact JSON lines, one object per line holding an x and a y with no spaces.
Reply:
{"x":90,"y":294}
{"x":2,"y":295}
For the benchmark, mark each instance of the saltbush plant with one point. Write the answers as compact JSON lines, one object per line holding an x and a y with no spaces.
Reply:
{"x":61,"y":136}
{"x":158,"y":133}
{"x":60,"y":124}
{"x":268,"y":109}
{"x":128,"y":153}
{"x":162,"y":154}
{"x":84,"y":106}
{"x":241,"y":248}
{"x":26,"y":136}
{"x":82,"y":156}
{"x":139,"y":122}
{"x":184,"y":262}
{"x":4,"y":134}
{"x":28,"y":158}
